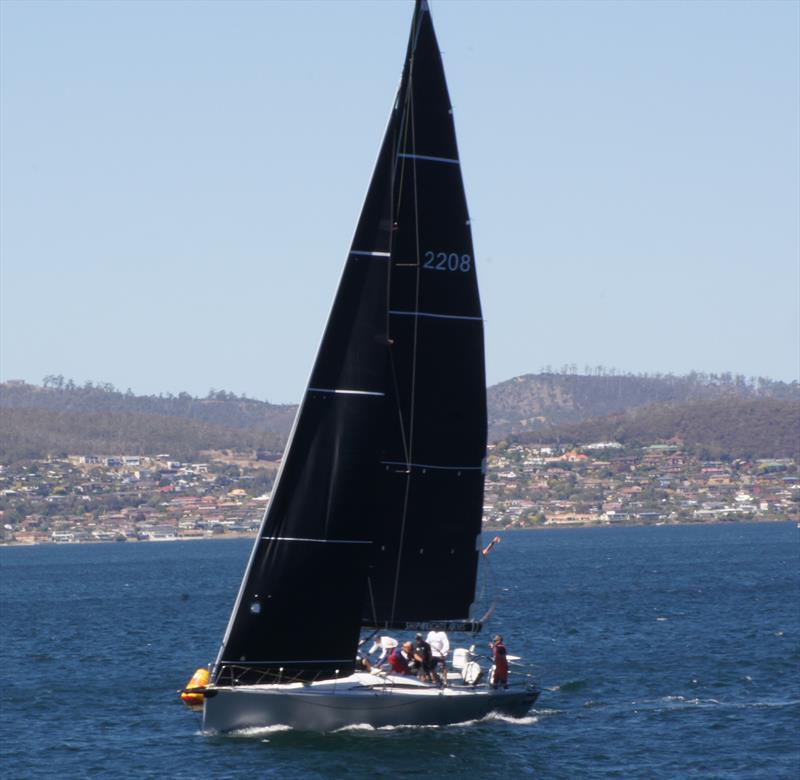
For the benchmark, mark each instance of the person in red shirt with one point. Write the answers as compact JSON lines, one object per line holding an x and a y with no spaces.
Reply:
{"x":500,"y":662}
{"x":401,"y":657}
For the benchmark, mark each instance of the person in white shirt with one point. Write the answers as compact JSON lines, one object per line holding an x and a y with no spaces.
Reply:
{"x":440,"y":647}
{"x":384,"y":644}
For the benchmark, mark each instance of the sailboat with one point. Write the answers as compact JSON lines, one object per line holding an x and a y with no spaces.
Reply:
{"x":375,"y":517}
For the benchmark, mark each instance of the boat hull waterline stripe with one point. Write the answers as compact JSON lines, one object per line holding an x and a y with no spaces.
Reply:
{"x":341,"y":391}
{"x":434,"y":316}
{"x":430,"y":466}
{"x":321,"y":541}
{"x":429,"y":158}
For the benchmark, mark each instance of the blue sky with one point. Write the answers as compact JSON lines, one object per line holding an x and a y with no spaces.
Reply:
{"x":180,"y":182}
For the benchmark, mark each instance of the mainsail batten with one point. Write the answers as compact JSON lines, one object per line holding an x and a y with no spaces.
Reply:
{"x":349,"y":539}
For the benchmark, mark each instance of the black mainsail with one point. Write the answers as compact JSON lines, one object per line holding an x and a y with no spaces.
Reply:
{"x":374,"y":517}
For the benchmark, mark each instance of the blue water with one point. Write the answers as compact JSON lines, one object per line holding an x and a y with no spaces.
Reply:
{"x":664,"y":652}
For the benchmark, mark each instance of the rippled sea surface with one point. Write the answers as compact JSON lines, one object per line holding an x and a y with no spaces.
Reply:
{"x":663,"y":652}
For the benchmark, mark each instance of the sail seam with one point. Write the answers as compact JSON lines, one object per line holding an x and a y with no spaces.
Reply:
{"x":365,"y":253}
{"x":434,"y":315}
{"x":343,"y":391}
{"x":429,"y":157}
{"x":323,"y":541}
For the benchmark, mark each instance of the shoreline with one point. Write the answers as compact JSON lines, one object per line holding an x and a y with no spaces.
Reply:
{"x":215,"y":538}
{"x":489,"y":529}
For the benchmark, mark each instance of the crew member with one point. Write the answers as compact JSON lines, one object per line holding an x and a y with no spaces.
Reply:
{"x":440,"y":647}
{"x":500,"y":662}
{"x":401,"y":657}
{"x":423,"y":658}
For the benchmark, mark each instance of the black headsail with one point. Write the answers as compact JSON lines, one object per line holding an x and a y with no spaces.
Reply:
{"x":375,"y":512}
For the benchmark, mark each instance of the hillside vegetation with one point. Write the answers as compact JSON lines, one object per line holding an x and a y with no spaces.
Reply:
{"x":39,"y":433}
{"x":724,"y":413}
{"x":724,"y":427}
{"x":218,"y":408}
{"x":539,"y":401}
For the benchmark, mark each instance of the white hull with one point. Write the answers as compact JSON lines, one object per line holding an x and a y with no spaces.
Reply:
{"x":386,"y":700}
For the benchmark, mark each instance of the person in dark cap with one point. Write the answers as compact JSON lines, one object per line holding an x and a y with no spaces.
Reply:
{"x":500,"y":662}
{"x":423,"y":658}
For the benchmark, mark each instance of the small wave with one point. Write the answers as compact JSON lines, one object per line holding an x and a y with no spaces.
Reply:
{"x":546,"y":711}
{"x":673,"y":703}
{"x":525,"y":720}
{"x":662,"y":619}
{"x":570,"y":686}
{"x":355,"y":727}
{"x":409,"y":726}
{"x":259,"y":731}
{"x":772,"y":703}
{"x":679,"y":702}
{"x":694,"y":700}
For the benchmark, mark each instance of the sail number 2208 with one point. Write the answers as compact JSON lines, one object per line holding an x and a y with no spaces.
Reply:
{"x":447,"y":261}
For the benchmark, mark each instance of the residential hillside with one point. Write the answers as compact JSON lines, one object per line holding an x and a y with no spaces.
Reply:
{"x":538,"y":401}
{"x":723,"y":427}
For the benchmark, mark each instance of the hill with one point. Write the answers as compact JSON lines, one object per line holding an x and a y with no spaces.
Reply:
{"x":99,"y":419}
{"x":539,"y":401}
{"x":38,"y":433}
{"x":218,"y":408}
{"x":723,"y":427}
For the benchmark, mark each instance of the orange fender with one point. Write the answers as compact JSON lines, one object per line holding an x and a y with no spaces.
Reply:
{"x":192,"y":695}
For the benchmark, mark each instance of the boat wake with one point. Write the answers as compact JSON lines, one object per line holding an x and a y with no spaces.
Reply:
{"x":264,"y":732}
{"x":527,"y":720}
{"x":682,"y":701}
{"x":258,"y":731}
{"x":667,"y":703}
{"x":569,"y":687}
{"x":398,"y":727}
